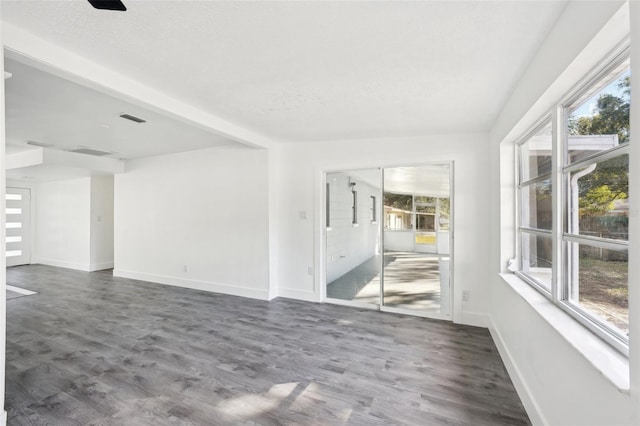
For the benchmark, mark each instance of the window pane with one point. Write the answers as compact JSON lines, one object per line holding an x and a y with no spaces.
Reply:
{"x":444,"y":213}
{"x":398,"y":210}
{"x":374,"y":213}
{"x":535,"y":154}
{"x":601,"y":192}
{"x":599,"y":119}
{"x":426,"y":209}
{"x":536,"y":205}
{"x":536,"y":258}
{"x":599,"y":284}
{"x":420,"y":199}
{"x":425,"y":222}
{"x":354,"y":208}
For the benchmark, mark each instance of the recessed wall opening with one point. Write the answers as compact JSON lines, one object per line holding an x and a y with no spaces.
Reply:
{"x":401,"y":260}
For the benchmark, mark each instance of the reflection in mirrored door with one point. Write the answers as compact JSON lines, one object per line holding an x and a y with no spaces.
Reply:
{"x":353,"y":243}
{"x":417,"y":217}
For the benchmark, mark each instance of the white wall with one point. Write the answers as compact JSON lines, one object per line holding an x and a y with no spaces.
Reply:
{"x":72,"y":222}
{"x":557,"y":383}
{"x":198,"y":219}
{"x":400,"y":240}
{"x":301,"y":188}
{"x":350,"y":245}
{"x":63,"y":211}
{"x":101,"y":222}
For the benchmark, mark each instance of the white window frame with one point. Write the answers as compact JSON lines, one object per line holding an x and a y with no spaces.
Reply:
{"x":560,"y":233}
{"x":520,"y":184}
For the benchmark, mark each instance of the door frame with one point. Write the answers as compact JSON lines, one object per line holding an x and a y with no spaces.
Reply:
{"x":320,"y":242}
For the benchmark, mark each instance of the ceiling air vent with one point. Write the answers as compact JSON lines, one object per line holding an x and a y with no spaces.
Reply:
{"x":40,"y":144}
{"x":133,"y":118}
{"x":90,"y":151}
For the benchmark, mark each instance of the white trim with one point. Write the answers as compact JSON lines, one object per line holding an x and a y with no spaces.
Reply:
{"x":416,"y":313}
{"x":289,"y":293}
{"x":475,"y":319}
{"x":86,"y":267}
{"x":99,"y":266}
{"x":252,"y":293}
{"x":21,"y":290}
{"x":352,"y":304}
{"x":3,"y":418}
{"x":526,"y":396}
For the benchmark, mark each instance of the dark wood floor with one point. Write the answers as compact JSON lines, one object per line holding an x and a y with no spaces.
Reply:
{"x":91,"y":349}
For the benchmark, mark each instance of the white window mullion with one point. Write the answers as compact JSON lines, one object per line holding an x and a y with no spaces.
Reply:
{"x":557,"y":201}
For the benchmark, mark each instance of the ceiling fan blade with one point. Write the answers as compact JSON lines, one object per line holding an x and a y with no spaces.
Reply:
{"x":108,"y":4}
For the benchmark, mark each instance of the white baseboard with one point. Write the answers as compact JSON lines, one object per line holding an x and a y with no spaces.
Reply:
{"x":3,"y":418}
{"x":21,"y":290}
{"x":252,"y":293}
{"x":476,"y":319}
{"x":99,"y":266}
{"x":307,"y":296}
{"x":63,"y":264}
{"x":529,"y":402}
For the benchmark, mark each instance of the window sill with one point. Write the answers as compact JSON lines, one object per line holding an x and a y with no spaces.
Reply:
{"x":609,"y":362}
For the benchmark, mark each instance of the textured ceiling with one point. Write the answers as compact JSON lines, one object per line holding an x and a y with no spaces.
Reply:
{"x":303,"y":71}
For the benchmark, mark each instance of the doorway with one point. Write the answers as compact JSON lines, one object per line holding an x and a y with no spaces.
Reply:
{"x":388,"y":239}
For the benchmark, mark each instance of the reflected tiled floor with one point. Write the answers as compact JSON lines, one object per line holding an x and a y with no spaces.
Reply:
{"x":411,"y":281}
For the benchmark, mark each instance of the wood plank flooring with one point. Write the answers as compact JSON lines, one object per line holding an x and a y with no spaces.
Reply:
{"x":91,"y":349}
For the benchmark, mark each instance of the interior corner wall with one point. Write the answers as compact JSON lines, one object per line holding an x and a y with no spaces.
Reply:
{"x":101,"y":223}
{"x":63,"y":223}
{"x":557,"y":384}
{"x":196,"y":219}
{"x":300,"y":237}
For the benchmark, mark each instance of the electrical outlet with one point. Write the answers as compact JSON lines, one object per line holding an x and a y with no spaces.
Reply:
{"x":185,"y":268}
{"x":465,"y":295}
{"x":303,"y":214}
{"x":310,"y":270}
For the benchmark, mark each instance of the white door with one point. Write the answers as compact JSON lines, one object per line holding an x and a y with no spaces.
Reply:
{"x":18,"y":223}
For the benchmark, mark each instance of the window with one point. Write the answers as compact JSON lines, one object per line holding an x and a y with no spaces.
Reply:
{"x":573,"y":204}
{"x":398,"y":212}
{"x":374,"y":213}
{"x":328,"y":206}
{"x":534,"y":190}
{"x":444,"y":213}
{"x":354,"y":208}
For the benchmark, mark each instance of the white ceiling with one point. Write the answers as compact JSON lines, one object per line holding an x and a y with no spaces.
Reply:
{"x":47,"y":109}
{"x":304,"y":71}
{"x":431,"y":180}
